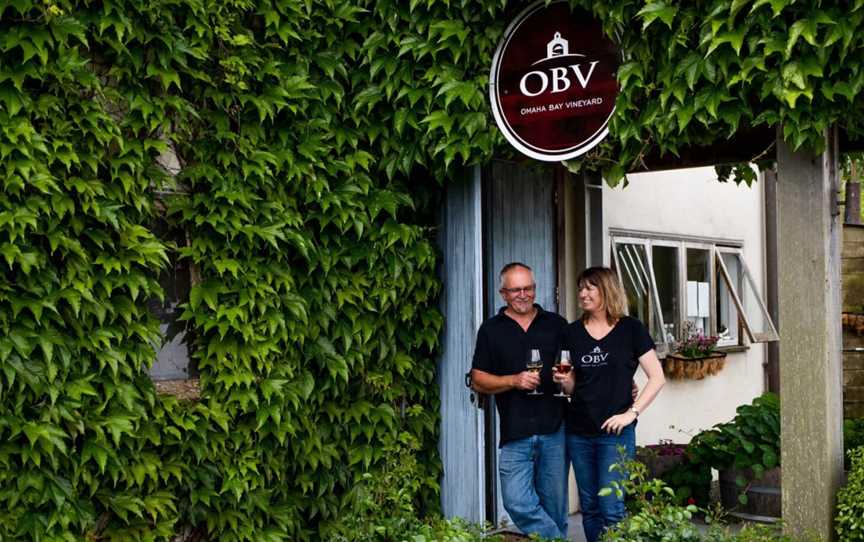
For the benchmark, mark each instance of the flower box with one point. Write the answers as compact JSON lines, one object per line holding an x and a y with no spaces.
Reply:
{"x":678,"y":367}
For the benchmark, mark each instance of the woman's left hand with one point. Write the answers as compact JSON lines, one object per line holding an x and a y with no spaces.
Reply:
{"x":618,"y":422}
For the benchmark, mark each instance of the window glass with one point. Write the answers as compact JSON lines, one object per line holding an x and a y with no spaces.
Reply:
{"x":698,"y":293}
{"x":755,"y":314}
{"x":172,"y":356}
{"x":635,"y":273}
{"x":665,"y":260}
{"x":728,"y":327}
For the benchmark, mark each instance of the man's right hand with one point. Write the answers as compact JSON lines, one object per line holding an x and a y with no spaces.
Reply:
{"x":526,"y":380}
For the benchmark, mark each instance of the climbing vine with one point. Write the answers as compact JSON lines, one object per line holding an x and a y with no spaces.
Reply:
{"x":312,"y":140}
{"x":696,"y":73}
{"x":306,"y":179}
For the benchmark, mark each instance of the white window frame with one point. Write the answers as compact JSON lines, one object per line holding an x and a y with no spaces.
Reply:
{"x":717,"y":271}
{"x":663,"y":346}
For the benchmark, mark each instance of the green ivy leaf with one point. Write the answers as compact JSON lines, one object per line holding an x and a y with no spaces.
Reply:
{"x":657,"y":10}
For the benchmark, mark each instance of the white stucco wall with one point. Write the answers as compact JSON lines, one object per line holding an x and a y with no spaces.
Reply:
{"x":692,"y":202}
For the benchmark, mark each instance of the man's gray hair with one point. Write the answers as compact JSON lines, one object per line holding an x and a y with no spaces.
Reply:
{"x":507,"y":268}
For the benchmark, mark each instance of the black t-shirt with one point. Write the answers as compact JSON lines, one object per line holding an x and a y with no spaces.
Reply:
{"x":502,"y":349}
{"x":604,"y":372}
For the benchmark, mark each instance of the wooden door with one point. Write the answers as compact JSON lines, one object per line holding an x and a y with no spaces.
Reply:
{"x":519,"y":224}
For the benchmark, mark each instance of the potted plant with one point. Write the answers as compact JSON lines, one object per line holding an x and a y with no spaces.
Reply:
{"x":695,"y":356}
{"x":746,"y":452}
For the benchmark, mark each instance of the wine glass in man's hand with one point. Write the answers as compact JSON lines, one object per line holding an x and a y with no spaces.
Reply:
{"x":534,"y":365}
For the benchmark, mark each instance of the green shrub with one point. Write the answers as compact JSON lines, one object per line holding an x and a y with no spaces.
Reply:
{"x":385,"y":505}
{"x":656,"y":516}
{"x":750,"y":441}
{"x":441,"y":530}
{"x":691,"y":481}
{"x":674,"y":464}
{"x":853,"y":437}
{"x":850,"y":501}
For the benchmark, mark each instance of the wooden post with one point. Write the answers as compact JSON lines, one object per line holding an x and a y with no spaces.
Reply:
{"x":810,"y":337}
{"x":772,"y":349}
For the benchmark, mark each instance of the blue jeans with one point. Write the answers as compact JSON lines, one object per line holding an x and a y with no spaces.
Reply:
{"x":533,"y":474}
{"x":591,"y":458}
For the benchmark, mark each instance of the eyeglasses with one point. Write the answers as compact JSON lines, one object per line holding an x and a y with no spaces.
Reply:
{"x":523,"y":290}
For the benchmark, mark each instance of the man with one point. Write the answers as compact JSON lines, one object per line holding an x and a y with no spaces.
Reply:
{"x":532,"y":460}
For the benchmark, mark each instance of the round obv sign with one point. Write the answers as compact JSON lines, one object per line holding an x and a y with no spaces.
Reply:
{"x":553,"y":83}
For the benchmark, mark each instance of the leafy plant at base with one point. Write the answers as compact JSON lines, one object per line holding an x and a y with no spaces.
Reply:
{"x":385,"y":505}
{"x":853,"y":437}
{"x":643,"y":491}
{"x":849,"y":521}
{"x":655,"y":516}
{"x":750,"y":441}
{"x":691,"y":481}
{"x":671,"y":463}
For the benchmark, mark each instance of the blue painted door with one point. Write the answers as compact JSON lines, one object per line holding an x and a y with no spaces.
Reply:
{"x":519,"y":224}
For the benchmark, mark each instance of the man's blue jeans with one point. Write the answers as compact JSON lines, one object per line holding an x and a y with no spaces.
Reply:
{"x":592,"y":457}
{"x":533,"y":473}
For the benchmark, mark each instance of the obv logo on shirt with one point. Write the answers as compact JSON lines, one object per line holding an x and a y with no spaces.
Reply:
{"x":595,"y":357}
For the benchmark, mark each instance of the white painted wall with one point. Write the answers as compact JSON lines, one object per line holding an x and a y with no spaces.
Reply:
{"x":693,"y":202}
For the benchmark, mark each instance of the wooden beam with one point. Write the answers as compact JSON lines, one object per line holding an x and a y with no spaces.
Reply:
{"x":744,"y":146}
{"x":811,"y":388}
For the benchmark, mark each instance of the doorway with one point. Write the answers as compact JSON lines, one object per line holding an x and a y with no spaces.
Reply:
{"x":519,"y":224}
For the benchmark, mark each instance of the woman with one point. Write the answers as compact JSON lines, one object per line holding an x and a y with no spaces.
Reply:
{"x":606,"y":347}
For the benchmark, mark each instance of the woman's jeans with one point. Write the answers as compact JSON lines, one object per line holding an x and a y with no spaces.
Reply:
{"x":591,"y":458}
{"x":533,"y":473}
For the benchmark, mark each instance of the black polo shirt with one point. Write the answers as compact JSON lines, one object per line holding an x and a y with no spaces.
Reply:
{"x":502,"y":349}
{"x":604,"y":372}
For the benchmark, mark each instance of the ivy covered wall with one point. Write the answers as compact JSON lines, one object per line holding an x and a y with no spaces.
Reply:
{"x":313,"y":138}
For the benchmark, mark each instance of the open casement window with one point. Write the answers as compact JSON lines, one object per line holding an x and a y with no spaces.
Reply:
{"x":748,"y":305}
{"x":635,"y":270}
{"x":699,"y":284}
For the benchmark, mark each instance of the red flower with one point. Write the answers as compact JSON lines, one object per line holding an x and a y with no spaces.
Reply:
{"x":691,"y":500}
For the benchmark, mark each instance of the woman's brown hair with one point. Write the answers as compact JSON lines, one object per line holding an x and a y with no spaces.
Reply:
{"x":605,"y":280}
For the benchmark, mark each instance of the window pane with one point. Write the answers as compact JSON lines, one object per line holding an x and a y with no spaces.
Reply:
{"x":698,"y":289}
{"x":665,"y":261}
{"x":755,"y":314}
{"x":172,"y":356}
{"x":636,"y":276}
{"x":728,"y":327}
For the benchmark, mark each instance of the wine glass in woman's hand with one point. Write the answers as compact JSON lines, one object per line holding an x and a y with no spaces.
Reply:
{"x":562,"y":367}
